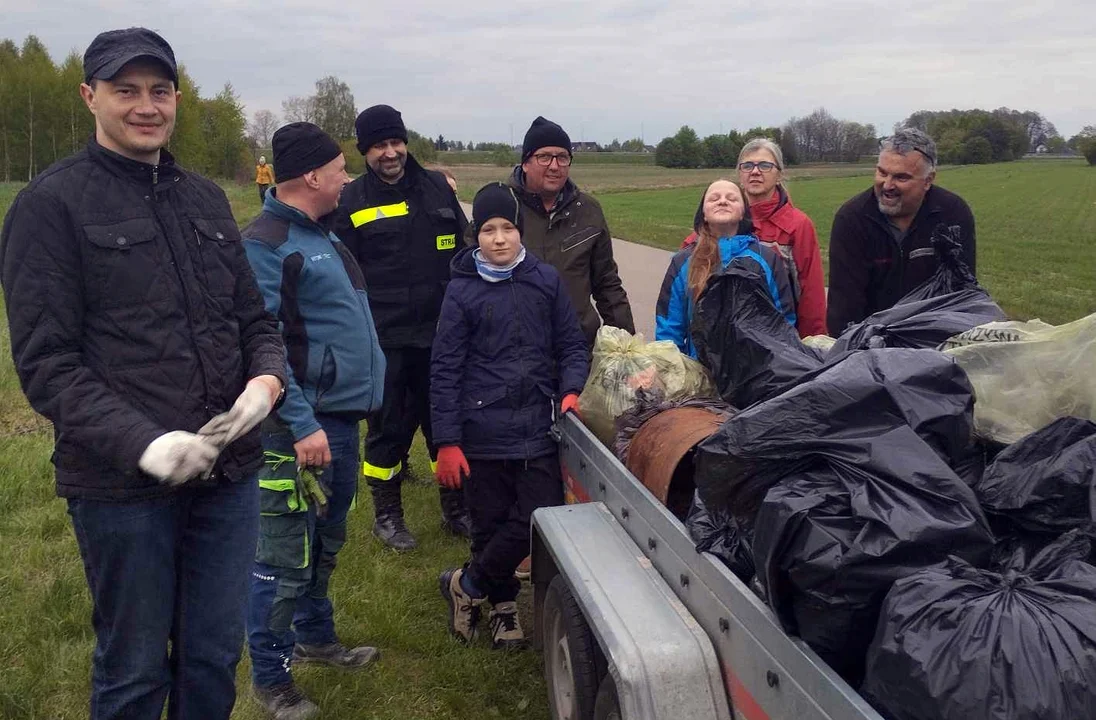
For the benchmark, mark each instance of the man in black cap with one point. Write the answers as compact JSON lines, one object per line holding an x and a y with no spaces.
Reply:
{"x":565,"y":228}
{"x":138,"y":330}
{"x":403,"y":223}
{"x":313,"y":285}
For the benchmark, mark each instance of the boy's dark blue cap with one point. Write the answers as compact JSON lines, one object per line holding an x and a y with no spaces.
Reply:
{"x":111,"y":50}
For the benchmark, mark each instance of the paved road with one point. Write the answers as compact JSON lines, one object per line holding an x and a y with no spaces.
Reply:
{"x":641,"y":270}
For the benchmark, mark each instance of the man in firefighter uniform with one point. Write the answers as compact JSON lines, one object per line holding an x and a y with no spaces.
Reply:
{"x":402,"y":223}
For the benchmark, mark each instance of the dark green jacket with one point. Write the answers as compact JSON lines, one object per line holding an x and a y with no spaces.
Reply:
{"x":575,"y":240}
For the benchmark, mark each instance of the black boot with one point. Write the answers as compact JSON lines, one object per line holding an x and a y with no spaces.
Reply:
{"x":389,"y":526}
{"x":454,"y":516}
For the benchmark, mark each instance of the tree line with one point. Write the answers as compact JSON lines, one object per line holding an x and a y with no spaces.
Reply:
{"x":962,"y":137}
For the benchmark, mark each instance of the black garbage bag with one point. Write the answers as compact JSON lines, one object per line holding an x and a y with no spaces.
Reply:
{"x":839,"y":411}
{"x":747,"y":345}
{"x":952,"y":272}
{"x":948,"y":303}
{"x":1045,"y":482}
{"x":831,"y":539}
{"x":959,"y":643}
{"x":723,"y":536}
{"x":920,"y":323}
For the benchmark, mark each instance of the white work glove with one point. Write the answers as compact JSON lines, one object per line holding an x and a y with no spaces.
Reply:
{"x":177,"y":456}
{"x":250,"y":409}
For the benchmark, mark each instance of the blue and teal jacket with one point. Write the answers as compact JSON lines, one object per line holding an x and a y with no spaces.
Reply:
{"x":313,"y":285}
{"x":674,"y":310}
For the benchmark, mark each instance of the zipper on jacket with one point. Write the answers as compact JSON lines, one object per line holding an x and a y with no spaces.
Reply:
{"x":521,"y":362}
{"x":155,"y":174}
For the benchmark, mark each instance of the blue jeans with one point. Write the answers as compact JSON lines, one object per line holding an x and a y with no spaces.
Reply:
{"x":297,"y":551}
{"x":171,"y":569}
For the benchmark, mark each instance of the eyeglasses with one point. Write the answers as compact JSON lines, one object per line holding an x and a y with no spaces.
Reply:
{"x":764,"y":166}
{"x":545,"y":159}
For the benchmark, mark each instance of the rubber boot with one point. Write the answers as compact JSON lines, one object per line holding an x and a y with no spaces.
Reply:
{"x":454,"y":516}
{"x":389,"y":526}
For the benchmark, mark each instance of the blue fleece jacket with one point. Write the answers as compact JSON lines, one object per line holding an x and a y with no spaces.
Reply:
{"x":315,"y":288}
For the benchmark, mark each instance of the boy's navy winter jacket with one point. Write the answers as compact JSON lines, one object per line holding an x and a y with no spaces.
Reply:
{"x":504,"y":355}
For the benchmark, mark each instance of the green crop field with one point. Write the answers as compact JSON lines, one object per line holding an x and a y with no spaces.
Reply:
{"x":609,"y":178}
{"x":1037,"y":256}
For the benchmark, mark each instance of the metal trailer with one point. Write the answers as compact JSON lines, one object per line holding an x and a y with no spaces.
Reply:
{"x":635,"y":624}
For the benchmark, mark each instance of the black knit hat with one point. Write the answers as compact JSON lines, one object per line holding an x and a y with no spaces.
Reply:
{"x":543,"y":133}
{"x":377,"y":124}
{"x":111,"y":50}
{"x":745,"y":225}
{"x":495,"y":200}
{"x":299,"y":148}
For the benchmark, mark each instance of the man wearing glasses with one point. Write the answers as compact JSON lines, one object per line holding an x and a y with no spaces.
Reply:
{"x":880,"y":244}
{"x":566,"y":228}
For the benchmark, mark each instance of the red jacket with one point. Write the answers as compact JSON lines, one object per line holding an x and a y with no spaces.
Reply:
{"x":780,"y":224}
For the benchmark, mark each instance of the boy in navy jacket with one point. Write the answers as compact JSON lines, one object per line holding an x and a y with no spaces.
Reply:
{"x":508,"y":348}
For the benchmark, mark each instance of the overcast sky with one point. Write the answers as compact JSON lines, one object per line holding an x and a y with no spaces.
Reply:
{"x":483,"y":69}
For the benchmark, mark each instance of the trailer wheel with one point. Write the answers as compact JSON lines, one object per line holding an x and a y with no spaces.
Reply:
{"x":573,"y":662}
{"x":607,"y":705}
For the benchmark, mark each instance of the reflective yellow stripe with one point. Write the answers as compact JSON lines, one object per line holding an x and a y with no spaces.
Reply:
{"x":295,"y":502}
{"x":434,"y":466}
{"x":368,"y":215}
{"x":279,"y":485}
{"x":379,"y":473}
{"x":447,"y":242}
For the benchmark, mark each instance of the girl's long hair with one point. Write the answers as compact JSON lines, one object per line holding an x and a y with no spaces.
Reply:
{"x":705,"y":256}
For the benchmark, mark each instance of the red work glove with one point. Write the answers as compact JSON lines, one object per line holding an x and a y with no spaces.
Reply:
{"x":452,"y":467}
{"x":569,"y":403}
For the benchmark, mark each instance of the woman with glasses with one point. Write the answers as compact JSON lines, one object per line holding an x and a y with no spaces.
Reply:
{"x":785,"y":228}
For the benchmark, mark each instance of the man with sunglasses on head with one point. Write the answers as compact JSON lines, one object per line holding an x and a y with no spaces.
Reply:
{"x":881,"y":241}
{"x":565,"y":228}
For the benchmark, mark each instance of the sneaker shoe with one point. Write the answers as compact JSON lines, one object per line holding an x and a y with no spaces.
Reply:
{"x":525,"y":569}
{"x":464,"y":610}
{"x":335,"y":654}
{"x":285,"y":702}
{"x":506,"y":631}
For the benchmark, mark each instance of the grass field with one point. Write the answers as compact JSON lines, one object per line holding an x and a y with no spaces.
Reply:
{"x":1037,"y":256}
{"x":607,"y":178}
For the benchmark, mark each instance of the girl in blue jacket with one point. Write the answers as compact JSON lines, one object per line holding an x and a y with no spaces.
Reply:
{"x":508,"y":348}
{"x":724,"y":236}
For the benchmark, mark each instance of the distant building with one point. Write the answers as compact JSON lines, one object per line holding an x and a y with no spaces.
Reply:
{"x":585,"y":147}
{"x":649,"y":148}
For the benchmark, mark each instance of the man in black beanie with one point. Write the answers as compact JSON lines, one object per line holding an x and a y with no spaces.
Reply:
{"x":137,"y":328}
{"x":402,"y":223}
{"x":336,"y":377}
{"x":566,"y":228}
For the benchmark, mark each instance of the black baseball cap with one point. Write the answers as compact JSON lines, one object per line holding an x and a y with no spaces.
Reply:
{"x":111,"y":50}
